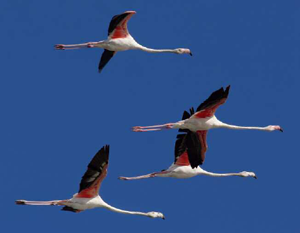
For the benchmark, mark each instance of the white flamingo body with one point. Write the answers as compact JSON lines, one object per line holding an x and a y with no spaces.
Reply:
{"x":118,"y":45}
{"x":88,"y":195}
{"x":181,"y":172}
{"x":195,"y":124}
{"x":118,"y":40}
{"x":85,"y":203}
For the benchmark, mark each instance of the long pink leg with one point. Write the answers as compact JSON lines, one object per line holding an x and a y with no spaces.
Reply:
{"x":75,"y":46}
{"x":54,"y":202}
{"x":152,"y":127}
{"x":151,"y":175}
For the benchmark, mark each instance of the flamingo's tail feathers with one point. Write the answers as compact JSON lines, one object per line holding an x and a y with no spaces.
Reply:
{"x":23,"y":202}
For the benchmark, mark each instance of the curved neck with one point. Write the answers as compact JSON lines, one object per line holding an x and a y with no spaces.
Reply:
{"x":156,"y":50}
{"x":109,"y":207}
{"x":227,"y":126}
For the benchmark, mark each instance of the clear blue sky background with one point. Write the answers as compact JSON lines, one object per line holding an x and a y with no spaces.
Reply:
{"x":57,"y":111}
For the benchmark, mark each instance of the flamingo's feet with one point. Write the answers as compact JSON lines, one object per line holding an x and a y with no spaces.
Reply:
{"x":123,"y":178}
{"x":169,"y":126}
{"x":90,"y":45}
{"x":136,"y":129}
{"x":59,"y":47}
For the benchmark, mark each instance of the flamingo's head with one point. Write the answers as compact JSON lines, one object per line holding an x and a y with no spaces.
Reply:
{"x":274,"y":127}
{"x":153,"y":214}
{"x":250,"y":174}
{"x":183,"y":51}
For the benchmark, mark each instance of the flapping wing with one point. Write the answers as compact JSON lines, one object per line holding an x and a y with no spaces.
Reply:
{"x":106,"y":56}
{"x":209,"y":106}
{"x":181,"y":158}
{"x":96,"y":172}
{"x":118,"y":25}
{"x":190,"y":148}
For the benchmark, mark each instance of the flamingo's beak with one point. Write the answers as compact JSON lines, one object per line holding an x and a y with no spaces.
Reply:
{"x":191,"y":54}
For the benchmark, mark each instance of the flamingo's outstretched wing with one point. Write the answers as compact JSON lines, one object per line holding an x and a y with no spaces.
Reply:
{"x":96,"y":172}
{"x":190,"y":149}
{"x":118,"y":25}
{"x":106,"y":56}
{"x":209,"y":106}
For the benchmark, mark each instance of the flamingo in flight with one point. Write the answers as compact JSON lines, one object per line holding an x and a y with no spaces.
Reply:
{"x":88,"y":195}
{"x":119,"y":39}
{"x":188,"y":156}
{"x":204,"y":119}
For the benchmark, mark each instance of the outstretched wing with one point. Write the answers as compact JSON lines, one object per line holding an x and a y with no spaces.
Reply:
{"x":190,"y":148}
{"x":118,"y":25}
{"x":209,"y":106}
{"x":106,"y":56}
{"x":96,"y":172}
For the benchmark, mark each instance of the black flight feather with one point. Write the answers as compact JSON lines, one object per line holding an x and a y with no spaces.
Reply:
{"x":95,"y":168}
{"x":106,"y":56}
{"x":214,"y":98}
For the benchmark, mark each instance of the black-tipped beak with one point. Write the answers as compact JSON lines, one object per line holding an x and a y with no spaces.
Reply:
{"x":281,"y":130}
{"x":255,"y":177}
{"x":191,"y":54}
{"x":163,"y":218}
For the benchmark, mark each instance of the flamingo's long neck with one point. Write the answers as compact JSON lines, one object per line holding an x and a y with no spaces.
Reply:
{"x":241,"y":174}
{"x":109,"y":207}
{"x":227,"y":126}
{"x":218,"y":174}
{"x":149,"y":50}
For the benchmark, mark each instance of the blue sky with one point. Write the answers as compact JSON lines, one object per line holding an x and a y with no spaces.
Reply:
{"x":57,"y":111}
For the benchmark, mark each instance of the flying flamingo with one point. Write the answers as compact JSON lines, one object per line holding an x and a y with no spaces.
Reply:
{"x":204,"y":119}
{"x":119,"y":39}
{"x":88,"y":195}
{"x":188,"y":156}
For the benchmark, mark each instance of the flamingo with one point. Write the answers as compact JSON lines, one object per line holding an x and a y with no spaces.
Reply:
{"x":204,"y":119}
{"x":119,"y":39}
{"x":188,"y":157}
{"x":88,"y":195}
